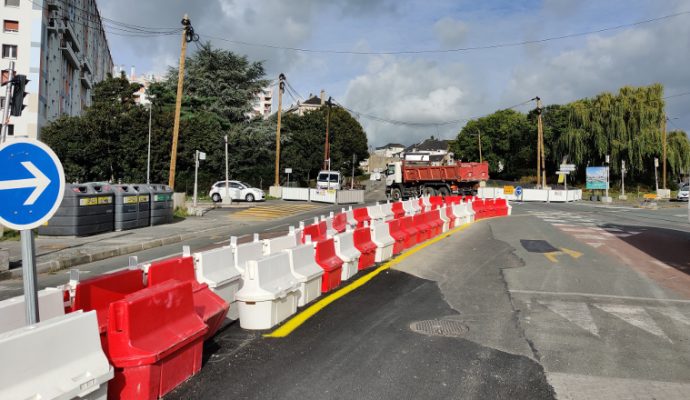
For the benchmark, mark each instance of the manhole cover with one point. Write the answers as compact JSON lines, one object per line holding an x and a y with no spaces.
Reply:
{"x":439,"y":327}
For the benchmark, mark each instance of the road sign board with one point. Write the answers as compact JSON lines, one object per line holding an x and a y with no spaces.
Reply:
{"x":562,"y":172}
{"x":508,"y":189}
{"x":518,"y":191}
{"x":288,"y":170}
{"x":567,"y":167}
{"x":32,"y":183}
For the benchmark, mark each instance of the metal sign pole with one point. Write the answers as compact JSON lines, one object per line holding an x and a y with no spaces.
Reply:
{"x":29,"y":272}
{"x":6,"y":111}
{"x":196,"y":174}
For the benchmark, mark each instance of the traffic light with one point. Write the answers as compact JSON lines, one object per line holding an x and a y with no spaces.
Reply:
{"x":17,"y":103}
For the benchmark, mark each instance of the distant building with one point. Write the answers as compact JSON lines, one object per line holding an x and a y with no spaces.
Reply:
{"x":312,"y":103}
{"x":262,"y":104}
{"x":390,"y":150}
{"x":432,"y":151}
{"x":142,"y":96}
{"x":62,"y":48}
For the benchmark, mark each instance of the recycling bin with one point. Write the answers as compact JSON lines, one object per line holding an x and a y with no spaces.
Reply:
{"x":126,"y":201}
{"x":86,"y":209}
{"x":144,"y":204}
{"x":161,"y":204}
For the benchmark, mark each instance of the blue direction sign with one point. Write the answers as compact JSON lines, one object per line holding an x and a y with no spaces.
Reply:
{"x":32,"y":183}
{"x":518,"y":191}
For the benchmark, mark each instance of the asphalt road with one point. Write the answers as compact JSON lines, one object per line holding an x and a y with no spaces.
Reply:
{"x":566,"y":301}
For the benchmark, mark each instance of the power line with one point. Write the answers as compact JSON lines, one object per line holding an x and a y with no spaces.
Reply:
{"x":454,"y":50}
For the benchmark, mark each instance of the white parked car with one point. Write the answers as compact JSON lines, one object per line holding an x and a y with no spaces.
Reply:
{"x":329,"y":180}
{"x":683,"y":193}
{"x":237,"y":191}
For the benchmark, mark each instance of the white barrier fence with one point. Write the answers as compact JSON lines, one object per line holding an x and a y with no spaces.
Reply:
{"x":323,"y":196}
{"x":543,"y":195}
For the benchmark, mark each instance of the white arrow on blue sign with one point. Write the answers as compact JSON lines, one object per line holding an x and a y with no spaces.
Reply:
{"x":32,"y":183}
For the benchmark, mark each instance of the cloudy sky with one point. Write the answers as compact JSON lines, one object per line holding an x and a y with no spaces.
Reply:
{"x":431,"y":87}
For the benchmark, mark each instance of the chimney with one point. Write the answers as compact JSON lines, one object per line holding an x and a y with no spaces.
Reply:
{"x":323,"y":97}
{"x":131,"y":73}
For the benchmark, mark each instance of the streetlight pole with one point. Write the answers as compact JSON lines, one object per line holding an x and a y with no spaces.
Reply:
{"x":480,"y":144}
{"x":148,"y":158}
{"x":196,"y":174}
{"x":227,"y":182}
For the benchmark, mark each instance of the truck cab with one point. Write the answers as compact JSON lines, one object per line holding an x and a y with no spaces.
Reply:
{"x":329,"y":180}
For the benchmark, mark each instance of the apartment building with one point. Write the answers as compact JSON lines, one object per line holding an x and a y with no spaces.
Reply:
{"x":61,"y":46}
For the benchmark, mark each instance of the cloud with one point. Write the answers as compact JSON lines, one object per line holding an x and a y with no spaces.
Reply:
{"x":451,"y":32}
{"x":411,"y":90}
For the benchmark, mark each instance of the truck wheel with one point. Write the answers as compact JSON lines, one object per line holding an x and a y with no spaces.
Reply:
{"x":428,"y":191}
{"x":443,"y":191}
{"x":396,"y":195}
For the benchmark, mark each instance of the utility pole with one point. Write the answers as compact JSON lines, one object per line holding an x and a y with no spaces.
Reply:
{"x":281,"y":88}
{"x":480,"y":145}
{"x":6,"y":110}
{"x":227,"y":176}
{"x":327,"y":156}
{"x":540,"y":129}
{"x":663,"y":155}
{"x":148,"y":157}
{"x":178,"y":102}
{"x":354,"y":160}
{"x":539,"y":152}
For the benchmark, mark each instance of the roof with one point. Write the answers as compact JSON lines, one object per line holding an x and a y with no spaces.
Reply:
{"x":430,"y":144}
{"x":313,"y":100}
{"x":390,"y":146}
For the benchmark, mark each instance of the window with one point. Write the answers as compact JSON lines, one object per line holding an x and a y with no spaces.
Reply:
{"x":10,"y":130}
{"x":10,"y":26}
{"x":2,"y":103}
{"x":12,"y":3}
{"x":235,"y":185}
{"x":9,"y":51}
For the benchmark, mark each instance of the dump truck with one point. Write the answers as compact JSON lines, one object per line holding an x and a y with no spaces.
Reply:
{"x":407,"y":178}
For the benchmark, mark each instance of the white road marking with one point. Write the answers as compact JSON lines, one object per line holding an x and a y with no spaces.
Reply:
{"x":575,"y":312}
{"x":596,"y":245}
{"x":8,"y":289}
{"x":592,"y":237}
{"x":662,"y":264}
{"x":635,"y":316}
{"x":672,"y":313}
{"x":594,"y":295}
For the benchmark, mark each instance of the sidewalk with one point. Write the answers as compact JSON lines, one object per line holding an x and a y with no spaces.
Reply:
{"x":56,"y":253}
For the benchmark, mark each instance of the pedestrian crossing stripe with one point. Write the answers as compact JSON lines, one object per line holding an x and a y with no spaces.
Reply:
{"x":272,"y":212}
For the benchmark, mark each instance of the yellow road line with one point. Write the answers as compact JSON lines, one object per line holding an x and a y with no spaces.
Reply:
{"x":309,"y":312}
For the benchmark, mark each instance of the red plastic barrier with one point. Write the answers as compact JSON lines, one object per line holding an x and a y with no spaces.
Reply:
{"x":398,"y":210}
{"x":481,"y":209}
{"x":407,"y":225}
{"x":98,"y":292}
{"x":436,"y":201}
{"x":398,"y":234}
{"x":331,"y":264}
{"x":502,"y":206}
{"x":155,"y":341}
{"x":362,"y":216}
{"x":318,"y":232}
{"x":433,"y":219}
{"x":423,"y":229}
{"x":340,"y":222}
{"x":210,"y":307}
{"x":363,"y":243}
{"x":451,"y":216}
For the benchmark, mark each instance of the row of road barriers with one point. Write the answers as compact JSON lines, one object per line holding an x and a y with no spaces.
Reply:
{"x":137,"y":333}
{"x":330,"y":196}
{"x":542,"y":195}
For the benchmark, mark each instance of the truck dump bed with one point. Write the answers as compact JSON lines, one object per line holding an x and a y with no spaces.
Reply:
{"x":460,"y":172}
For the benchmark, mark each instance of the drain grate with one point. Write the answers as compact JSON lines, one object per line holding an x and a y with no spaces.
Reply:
{"x":439,"y":327}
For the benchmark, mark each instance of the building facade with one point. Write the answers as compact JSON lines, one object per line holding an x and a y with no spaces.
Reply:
{"x":262,"y":104}
{"x":61,"y":46}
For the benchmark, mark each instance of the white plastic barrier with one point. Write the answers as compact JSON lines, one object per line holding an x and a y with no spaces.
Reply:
{"x":330,"y":232}
{"x":276,"y":245}
{"x":241,"y":253}
{"x":375,"y":212}
{"x":380,"y":235}
{"x":461,"y":213}
{"x":322,"y":195}
{"x":349,"y":196}
{"x":345,"y":250}
{"x":269,"y":294}
{"x":59,"y":358}
{"x":290,"y":193}
{"x":408,"y":206}
{"x":307,"y":272}
{"x":426,"y":202}
{"x":350,"y":217}
{"x":13,"y":314}
{"x":416,"y":208}
{"x":470,"y":210}
{"x":216,"y":268}
{"x":444,"y":217}
{"x":387,"y":211}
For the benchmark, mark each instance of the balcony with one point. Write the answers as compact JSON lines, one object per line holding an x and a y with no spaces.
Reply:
{"x":53,"y":4}
{"x":68,"y":53}
{"x":85,"y":78}
{"x":86,"y":66}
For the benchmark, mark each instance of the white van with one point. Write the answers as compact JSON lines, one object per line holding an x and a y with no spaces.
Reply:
{"x":329,"y":180}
